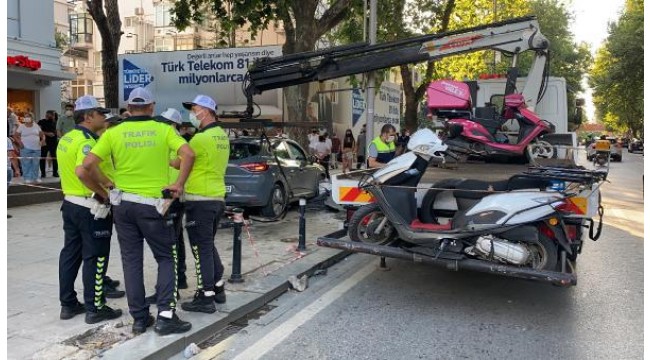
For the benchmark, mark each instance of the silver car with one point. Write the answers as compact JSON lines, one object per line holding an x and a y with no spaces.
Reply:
{"x":255,"y":180}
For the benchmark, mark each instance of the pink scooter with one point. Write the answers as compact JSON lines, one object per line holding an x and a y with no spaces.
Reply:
{"x":470,"y":135}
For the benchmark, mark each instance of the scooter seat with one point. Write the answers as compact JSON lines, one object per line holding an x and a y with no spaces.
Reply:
{"x":418,"y":225}
{"x":485,"y":187}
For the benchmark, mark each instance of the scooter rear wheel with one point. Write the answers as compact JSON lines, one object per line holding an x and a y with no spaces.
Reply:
{"x":364,"y":223}
{"x":543,"y":254}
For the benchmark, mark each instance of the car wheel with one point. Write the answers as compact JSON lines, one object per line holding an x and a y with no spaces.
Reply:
{"x":277,"y":202}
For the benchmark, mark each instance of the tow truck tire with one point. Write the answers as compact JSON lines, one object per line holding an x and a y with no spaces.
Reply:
{"x":364,"y":219}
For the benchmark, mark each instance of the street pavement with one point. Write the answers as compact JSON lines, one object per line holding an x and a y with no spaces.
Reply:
{"x":35,"y":238}
{"x":415,"y":311}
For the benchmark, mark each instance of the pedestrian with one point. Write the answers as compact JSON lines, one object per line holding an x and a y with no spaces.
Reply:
{"x":349,"y":150}
{"x":312,"y":139}
{"x":10,"y":173}
{"x":87,"y":224}
{"x":382,"y":148}
{"x":361,"y":147}
{"x":29,"y":138}
{"x":204,"y":202}
{"x":139,"y":147}
{"x":323,"y":151}
{"x":336,"y":151}
{"x":177,"y":208}
{"x":48,"y":151}
{"x":12,"y":125}
{"x":402,"y":141}
{"x":65,"y":122}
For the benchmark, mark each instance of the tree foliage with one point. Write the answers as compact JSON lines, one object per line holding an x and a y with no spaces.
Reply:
{"x":617,"y":74}
{"x":405,"y":19}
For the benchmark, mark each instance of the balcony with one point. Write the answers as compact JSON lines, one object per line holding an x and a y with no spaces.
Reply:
{"x":81,"y":31}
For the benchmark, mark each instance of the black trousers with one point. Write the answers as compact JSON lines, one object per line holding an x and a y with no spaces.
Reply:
{"x":135,"y":223}
{"x":50,"y":147}
{"x":176,"y":212}
{"x":325,"y":161}
{"x":89,"y":241}
{"x":202,"y":221}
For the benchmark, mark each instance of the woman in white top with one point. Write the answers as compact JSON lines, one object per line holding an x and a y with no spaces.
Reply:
{"x":323,"y":151}
{"x":30,"y":138}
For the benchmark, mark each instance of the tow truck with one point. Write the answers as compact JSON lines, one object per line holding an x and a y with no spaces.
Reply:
{"x":511,"y":37}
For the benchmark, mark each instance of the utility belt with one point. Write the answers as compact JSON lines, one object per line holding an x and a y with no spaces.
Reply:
{"x":96,"y":208}
{"x":140,"y":199}
{"x":81,"y":201}
{"x":193,"y":197}
{"x":161,"y":205}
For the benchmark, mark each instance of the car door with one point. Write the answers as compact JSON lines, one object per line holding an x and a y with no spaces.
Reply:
{"x":307,"y":177}
{"x":290,"y":167}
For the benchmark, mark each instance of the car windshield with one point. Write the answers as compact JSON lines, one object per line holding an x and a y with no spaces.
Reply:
{"x":242,"y":150}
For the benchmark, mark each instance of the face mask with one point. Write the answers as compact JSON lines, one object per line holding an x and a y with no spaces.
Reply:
{"x":27,"y":120}
{"x":195,"y":121}
{"x":68,"y":113}
{"x":391,"y":138}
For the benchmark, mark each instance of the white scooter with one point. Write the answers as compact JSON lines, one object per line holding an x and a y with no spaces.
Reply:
{"x":524,"y":233}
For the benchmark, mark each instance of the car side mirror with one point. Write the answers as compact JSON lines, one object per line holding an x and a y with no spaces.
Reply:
{"x":312,"y":159}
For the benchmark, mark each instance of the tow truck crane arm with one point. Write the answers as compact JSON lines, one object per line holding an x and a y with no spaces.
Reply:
{"x":511,"y":37}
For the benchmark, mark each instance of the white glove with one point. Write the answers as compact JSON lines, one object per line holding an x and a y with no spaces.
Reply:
{"x":100,"y":211}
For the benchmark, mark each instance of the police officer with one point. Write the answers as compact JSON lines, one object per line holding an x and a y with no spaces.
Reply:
{"x":382,"y":148}
{"x":204,"y":202}
{"x":139,"y":146}
{"x":176,"y":209}
{"x":86,"y":223}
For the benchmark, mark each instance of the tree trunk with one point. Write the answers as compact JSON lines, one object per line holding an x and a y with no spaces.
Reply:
{"x":302,"y":32}
{"x":110,"y":30}
{"x":410,"y":99}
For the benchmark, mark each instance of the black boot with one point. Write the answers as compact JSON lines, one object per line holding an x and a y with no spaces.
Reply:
{"x":68,"y":312}
{"x":140,"y":325}
{"x":151,"y":299}
{"x":200,"y":303}
{"x":102,"y":314}
{"x":220,"y":294}
{"x":113,"y":293}
{"x":174,"y":325}
{"x":110,"y":282}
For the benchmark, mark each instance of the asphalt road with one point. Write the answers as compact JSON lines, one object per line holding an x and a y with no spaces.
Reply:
{"x":416,"y":311}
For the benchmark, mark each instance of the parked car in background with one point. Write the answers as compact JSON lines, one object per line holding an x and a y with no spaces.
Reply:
{"x":635,"y":145}
{"x":255,"y":180}
{"x":616,"y":150}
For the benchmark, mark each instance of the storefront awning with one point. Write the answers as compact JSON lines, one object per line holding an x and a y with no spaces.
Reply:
{"x":43,"y":74}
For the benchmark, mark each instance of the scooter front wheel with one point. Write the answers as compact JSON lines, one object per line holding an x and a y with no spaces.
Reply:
{"x":370,"y":225}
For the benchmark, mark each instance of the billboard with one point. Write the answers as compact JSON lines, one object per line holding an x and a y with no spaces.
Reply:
{"x":352,"y":109}
{"x":177,"y":76}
